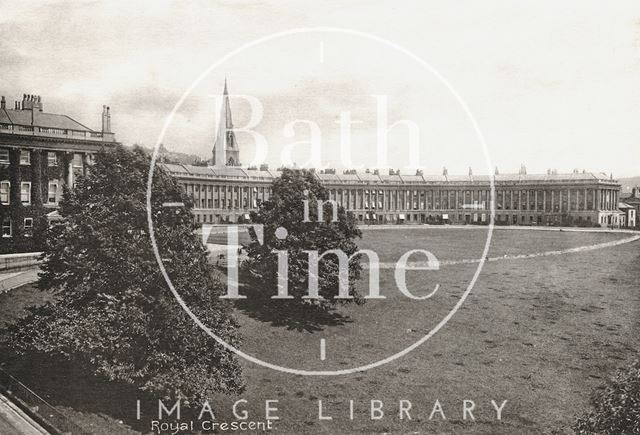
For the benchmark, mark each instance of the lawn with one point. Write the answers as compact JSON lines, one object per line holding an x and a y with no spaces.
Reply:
{"x":541,"y":333}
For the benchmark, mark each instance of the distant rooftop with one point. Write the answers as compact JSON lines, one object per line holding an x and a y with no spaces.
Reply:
{"x":28,"y":118}
{"x":265,"y":174}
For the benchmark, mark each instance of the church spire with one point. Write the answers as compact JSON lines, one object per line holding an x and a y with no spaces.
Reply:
{"x":225,"y":147}
{"x":227,"y":107}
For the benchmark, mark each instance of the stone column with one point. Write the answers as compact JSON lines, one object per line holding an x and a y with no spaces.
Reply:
{"x":70,"y":171}
{"x":585,"y":199}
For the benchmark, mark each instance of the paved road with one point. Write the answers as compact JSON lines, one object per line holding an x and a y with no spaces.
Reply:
{"x":13,"y":421}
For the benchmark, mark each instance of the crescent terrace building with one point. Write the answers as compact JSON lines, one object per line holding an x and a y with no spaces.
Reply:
{"x":227,"y":192}
{"x":40,"y":153}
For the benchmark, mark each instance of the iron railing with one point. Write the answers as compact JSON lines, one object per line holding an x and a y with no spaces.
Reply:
{"x":52,"y":418}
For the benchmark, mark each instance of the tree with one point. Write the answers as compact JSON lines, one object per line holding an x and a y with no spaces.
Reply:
{"x":113,"y":311}
{"x":285,"y":209}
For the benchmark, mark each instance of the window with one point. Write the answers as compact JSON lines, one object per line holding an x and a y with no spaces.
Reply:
{"x":25,"y":193}
{"x":25,"y":157}
{"x":4,"y":155}
{"x":28,"y":227}
{"x":52,"y":158}
{"x":4,"y":192}
{"x":6,"y":227}
{"x":53,"y":193}
{"x":77,"y":160}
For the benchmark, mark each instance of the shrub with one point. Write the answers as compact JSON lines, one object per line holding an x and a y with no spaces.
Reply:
{"x":617,"y":407}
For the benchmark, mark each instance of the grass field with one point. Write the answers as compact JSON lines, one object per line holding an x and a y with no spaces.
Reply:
{"x":541,"y":333}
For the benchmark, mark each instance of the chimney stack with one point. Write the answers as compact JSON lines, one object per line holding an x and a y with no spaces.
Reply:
{"x":106,"y":119}
{"x":445,"y":172}
{"x":3,"y":103}
{"x":31,"y":102}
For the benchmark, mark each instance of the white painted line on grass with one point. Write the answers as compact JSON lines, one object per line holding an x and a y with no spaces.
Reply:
{"x":513,"y":257}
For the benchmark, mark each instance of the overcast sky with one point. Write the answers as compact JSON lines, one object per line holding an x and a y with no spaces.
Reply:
{"x":551,"y":84}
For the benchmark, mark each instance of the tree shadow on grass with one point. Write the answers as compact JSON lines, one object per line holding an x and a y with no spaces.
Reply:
{"x":289,"y":313}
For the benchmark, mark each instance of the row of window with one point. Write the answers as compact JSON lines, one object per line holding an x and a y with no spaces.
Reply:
{"x":25,"y":193}
{"x":222,"y":203}
{"x":52,"y":158}
{"x":7,"y":227}
{"x":542,"y":200}
{"x":226,"y":197}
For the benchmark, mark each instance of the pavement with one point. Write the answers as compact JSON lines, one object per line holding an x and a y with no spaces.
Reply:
{"x":13,"y":420}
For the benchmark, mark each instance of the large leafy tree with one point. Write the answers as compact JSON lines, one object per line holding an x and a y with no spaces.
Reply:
{"x":285,"y":209}
{"x":113,"y":310}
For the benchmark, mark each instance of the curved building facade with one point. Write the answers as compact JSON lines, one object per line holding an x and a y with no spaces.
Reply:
{"x":228,"y":194}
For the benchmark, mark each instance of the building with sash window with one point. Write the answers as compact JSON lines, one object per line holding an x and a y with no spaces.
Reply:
{"x":40,"y":153}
